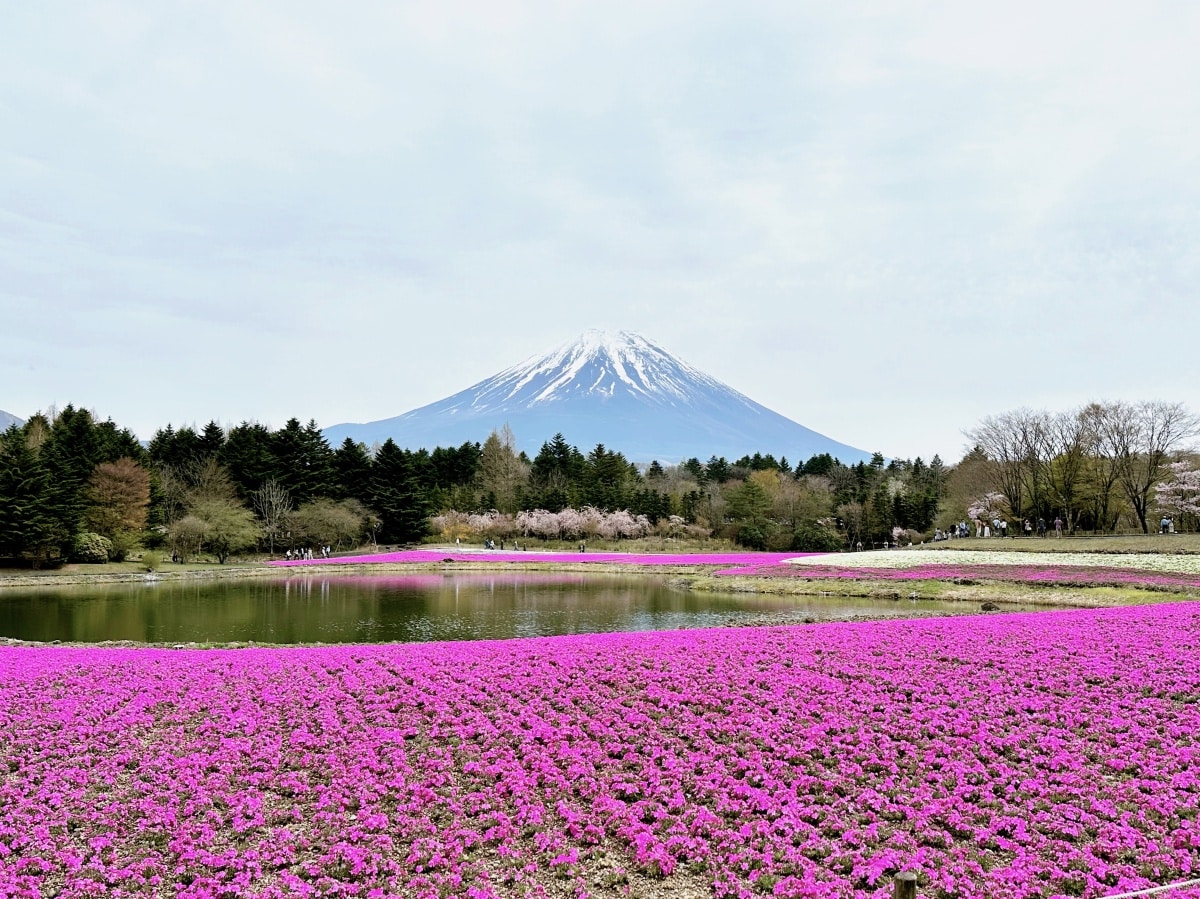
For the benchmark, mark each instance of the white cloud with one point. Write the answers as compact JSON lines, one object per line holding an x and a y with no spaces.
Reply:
{"x":885,"y":220}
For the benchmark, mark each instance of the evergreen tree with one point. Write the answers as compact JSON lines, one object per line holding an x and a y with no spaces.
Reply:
{"x":179,"y":449}
{"x":455,"y":467}
{"x":398,"y":493}
{"x":302,"y":461}
{"x":26,"y":496}
{"x":70,"y":453}
{"x":351,"y":471}
{"x":608,"y":479}
{"x":113,"y":444}
{"x":247,"y":454}
{"x":556,"y":475}
{"x":820,"y":464}
{"x":718,"y":470}
{"x":211,"y":441}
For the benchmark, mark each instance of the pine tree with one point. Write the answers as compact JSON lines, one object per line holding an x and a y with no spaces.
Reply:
{"x":351,"y":471}
{"x":399,"y":493}
{"x":26,"y":496}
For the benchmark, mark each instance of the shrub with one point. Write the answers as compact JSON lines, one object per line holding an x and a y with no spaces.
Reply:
{"x":123,"y":542}
{"x":751,"y":537}
{"x":92,"y":548}
{"x":152,"y":559}
{"x":816,"y":538}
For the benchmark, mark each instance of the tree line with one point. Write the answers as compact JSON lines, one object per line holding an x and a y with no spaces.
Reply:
{"x":72,"y":486}
{"x":1100,"y":467}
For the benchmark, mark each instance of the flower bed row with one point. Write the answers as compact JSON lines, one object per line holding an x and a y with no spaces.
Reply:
{"x":1012,"y":756}
{"x":948,"y":559}
{"x":1075,"y":575}
{"x":744,"y":563}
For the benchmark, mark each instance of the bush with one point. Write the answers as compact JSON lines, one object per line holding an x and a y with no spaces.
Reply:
{"x":151,"y":560}
{"x":92,"y":548}
{"x":816,"y":538}
{"x":752,"y":537}
{"x":123,"y":543}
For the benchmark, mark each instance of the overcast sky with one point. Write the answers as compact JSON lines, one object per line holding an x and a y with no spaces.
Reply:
{"x":883,"y":220}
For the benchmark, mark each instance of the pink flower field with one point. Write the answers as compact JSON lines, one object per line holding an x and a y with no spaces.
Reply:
{"x":1021,"y":755}
{"x":736,"y":563}
{"x":1081,"y":575}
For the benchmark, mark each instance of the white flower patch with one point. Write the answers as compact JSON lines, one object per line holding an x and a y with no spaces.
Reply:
{"x":917,"y":558}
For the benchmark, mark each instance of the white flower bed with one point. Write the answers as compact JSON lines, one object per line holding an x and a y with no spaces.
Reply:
{"x":920,"y":558}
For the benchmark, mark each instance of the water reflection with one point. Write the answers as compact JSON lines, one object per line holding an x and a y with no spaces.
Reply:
{"x":409,"y":608}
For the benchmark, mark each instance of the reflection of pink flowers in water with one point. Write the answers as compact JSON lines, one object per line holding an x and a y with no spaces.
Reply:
{"x":775,"y":565}
{"x":1023,"y":755}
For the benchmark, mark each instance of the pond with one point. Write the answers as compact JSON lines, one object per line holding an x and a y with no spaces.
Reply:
{"x":408,"y":608}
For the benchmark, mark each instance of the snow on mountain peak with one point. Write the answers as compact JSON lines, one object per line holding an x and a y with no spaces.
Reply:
{"x":601,"y":364}
{"x":616,"y":388}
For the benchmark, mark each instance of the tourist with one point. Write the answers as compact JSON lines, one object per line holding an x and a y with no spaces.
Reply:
{"x":1058,"y":523}
{"x":1028,"y":528}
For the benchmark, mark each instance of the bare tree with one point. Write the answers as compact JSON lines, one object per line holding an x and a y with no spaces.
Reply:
{"x":1016,"y":445}
{"x":173,"y":493}
{"x":1100,"y":471}
{"x":272,"y":502}
{"x":501,"y":471}
{"x":1141,"y":439}
{"x":1069,"y":440}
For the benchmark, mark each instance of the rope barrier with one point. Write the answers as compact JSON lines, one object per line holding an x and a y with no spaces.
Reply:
{"x":1150,"y":891}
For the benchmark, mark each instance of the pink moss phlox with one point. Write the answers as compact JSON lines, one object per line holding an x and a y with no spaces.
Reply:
{"x":1022,"y":756}
{"x":1055,"y":574}
{"x":744,"y":562}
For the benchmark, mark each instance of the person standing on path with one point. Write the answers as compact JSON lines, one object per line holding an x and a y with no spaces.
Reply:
{"x":1057,"y":527}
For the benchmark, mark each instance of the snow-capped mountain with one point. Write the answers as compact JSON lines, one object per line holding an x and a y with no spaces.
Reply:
{"x":7,"y":418}
{"x":617,"y":389}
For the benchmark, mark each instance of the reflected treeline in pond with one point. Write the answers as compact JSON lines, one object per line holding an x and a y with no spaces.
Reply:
{"x":410,"y":608}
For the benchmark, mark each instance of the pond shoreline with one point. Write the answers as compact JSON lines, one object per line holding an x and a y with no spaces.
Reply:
{"x":983,"y":594}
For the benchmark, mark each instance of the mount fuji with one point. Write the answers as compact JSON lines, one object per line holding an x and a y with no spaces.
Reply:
{"x":617,"y":389}
{"x":7,"y":419}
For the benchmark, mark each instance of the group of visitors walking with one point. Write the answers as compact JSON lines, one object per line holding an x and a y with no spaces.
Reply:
{"x":306,"y":554}
{"x":998,"y":527}
{"x":1028,"y":527}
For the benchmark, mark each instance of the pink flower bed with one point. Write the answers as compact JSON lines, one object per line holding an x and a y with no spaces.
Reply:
{"x":741,"y":563}
{"x":1090,"y":575}
{"x":1023,"y":755}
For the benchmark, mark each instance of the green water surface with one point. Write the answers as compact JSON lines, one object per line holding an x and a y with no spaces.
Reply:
{"x":410,"y":608}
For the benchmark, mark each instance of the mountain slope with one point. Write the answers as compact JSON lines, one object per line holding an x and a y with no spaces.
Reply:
{"x":617,"y":389}
{"x":7,"y":418}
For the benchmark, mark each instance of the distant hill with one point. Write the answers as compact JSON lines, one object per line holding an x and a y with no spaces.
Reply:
{"x":7,"y":418}
{"x":617,"y":389}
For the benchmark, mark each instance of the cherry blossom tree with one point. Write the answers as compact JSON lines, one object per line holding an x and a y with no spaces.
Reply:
{"x":988,"y":507}
{"x":1179,"y":495}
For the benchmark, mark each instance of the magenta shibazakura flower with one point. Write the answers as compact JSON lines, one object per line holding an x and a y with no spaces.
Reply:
{"x":1025,"y":755}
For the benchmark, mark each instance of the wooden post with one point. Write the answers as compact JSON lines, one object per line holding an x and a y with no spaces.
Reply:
{"x":904,"y":886}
